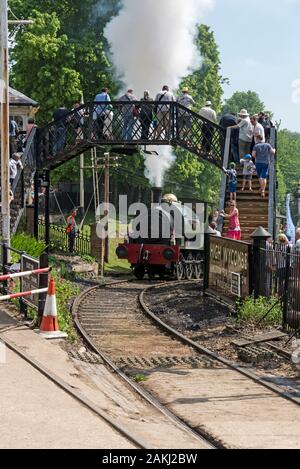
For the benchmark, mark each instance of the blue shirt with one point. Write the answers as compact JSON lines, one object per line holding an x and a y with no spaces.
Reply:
{"x":232,"y":176}
{"x":263,"y":153}
{"x":101,"y":98}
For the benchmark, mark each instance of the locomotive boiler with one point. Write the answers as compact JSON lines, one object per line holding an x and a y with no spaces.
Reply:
{"x":168,"y":240}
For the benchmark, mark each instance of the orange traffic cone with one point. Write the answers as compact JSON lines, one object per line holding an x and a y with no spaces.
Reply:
{"x":49,"y":328}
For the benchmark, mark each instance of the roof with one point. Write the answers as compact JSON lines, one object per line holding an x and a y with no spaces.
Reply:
{"x":16,"y":98}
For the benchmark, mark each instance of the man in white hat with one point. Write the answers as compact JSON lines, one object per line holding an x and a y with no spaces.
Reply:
{"x":207,"y":130}
{"x":208,"y":113}
{"x":184,"y":118}
{"x":246,"y":133}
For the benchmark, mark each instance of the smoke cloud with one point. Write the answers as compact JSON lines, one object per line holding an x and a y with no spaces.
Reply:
{"x":156,"y":166}
{"x":152,"y":43}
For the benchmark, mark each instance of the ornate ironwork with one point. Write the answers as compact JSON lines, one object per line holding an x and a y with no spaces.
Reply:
{"x":59,"y":239}
{"x":129,"y":123}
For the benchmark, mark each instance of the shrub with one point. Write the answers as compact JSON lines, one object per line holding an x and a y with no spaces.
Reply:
{"x":254,"y":310}
{"x":65,"y":290}
{"x":28,"y":244}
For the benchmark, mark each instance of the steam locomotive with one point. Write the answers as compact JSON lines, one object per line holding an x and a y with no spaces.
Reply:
{"x":169,"y":241}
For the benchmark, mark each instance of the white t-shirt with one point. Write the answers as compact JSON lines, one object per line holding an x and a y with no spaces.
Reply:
{"x":164,"y":96}
{"x":259,"y":130}
{"x":246,"y":130}
{"x":297,"y":246}
{"x":208,"y":113}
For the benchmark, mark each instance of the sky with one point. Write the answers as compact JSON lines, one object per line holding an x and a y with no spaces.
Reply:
{"x":259,"y":42}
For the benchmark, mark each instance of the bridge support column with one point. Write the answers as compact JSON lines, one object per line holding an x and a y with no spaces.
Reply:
{"x":259,"y":237}
{"x":36,"y":205}
{"x":47,"y":209}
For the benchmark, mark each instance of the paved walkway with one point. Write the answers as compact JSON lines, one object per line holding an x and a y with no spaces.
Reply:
{"x":36,"y":413}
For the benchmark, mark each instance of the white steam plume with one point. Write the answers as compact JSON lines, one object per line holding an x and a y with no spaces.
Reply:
{"x":152,"y":43}
{"x":156,"y":166}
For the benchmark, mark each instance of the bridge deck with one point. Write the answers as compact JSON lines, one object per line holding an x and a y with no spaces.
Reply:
{"x":129,"y":124}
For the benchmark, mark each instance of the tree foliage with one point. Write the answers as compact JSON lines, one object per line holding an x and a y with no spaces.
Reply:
{"x":249,"y":100}
{"x":196,"y":178}
{"x":206,"y":82}
{"x":288,"y":162}
{"x":44,"y":64}
{"x":63,"y":55}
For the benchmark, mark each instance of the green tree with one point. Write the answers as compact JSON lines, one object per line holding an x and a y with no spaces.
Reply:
{"x":244,"y":100}
{"x":206,"y":82}
{"x":288,"y":157}
{"x":78,"y":32}
{"x":190,"y":177}
{"x":44,"y":65}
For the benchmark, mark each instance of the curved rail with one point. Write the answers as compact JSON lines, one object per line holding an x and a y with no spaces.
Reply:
{"x":138,"y":389}
{"x":185,"y":340}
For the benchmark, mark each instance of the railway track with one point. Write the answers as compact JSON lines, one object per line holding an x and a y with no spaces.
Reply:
{"x":138,"y":442}
{"x":202,"y":350}
{"x":116,"y":322}
{"x":130,"y":344}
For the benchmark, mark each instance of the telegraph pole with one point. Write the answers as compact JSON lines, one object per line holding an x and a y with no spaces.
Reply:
{"x":4,"y":124}
{"x":4,"y":117}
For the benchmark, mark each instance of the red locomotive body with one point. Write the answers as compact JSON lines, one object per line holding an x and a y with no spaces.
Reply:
{"x":149,"y":254}
{"x":178,"y":253}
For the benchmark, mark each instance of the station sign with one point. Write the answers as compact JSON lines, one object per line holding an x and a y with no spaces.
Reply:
{"x":229,"y":268}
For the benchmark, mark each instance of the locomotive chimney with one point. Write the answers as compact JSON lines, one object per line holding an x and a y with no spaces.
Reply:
{"x":156,"y":195}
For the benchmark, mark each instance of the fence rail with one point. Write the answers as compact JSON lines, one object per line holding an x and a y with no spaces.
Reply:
{"x":280,"y":278}
{"x":60,"y":241}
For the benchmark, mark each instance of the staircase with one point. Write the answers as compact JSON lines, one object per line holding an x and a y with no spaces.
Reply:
{"x":253,"y":209}
{"x":22,"y":184}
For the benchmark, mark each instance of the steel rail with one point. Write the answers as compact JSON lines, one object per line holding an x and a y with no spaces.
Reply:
{"x":185,"y":340}
{"x":138,"y":389}
{"x":76,"y":395}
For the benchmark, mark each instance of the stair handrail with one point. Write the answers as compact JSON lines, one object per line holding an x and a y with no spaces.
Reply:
{"x":273,"y":186}
{"x":223,"y":189}
{"x":27,"y":158}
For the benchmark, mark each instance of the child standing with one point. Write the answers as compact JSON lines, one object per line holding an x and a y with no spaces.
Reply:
{"x":232,"y":180}
{"x":248,"y":171}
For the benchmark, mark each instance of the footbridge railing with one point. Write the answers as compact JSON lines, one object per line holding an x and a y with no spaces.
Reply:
{"x":129,"y":123}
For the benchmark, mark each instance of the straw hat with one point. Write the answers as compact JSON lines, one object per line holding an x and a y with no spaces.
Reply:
{"x":243,"y":113}
{"x":208,"y":103}
{"x":185,"y":89}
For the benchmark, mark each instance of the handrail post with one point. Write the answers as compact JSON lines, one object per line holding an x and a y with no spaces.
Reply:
{"x":259,"y":237}
{"x":208,"y":233}
{"x":272,"y":188}
{"x":286,"y":286}
{"x":4,"y":264}
{"x":43,"y":283}
{"x":224,"y":177}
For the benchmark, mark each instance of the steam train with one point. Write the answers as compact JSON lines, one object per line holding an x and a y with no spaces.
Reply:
{"x":168,"y":241}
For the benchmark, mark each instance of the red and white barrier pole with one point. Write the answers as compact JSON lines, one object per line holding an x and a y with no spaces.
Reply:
{"x":20,"y":295}
{"x":24,"y":274}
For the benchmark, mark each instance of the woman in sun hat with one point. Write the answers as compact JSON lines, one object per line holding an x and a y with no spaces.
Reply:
{"x":246,"y":133}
